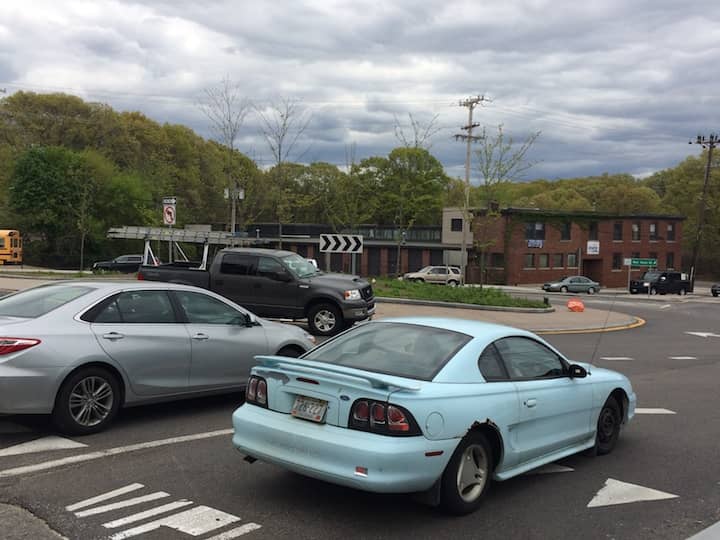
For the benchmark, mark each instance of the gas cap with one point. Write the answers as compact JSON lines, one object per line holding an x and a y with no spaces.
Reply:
{"x":434,"y":424}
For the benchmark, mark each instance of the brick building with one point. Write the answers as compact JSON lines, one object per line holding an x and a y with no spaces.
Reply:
{"x":535,"y":246}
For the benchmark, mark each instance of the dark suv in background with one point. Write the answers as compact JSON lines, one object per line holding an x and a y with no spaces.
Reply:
{"x":126,"y":264}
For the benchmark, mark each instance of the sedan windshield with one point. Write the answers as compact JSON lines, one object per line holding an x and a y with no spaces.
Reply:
{"x":403,"y":350}
{"x":38,"y":301}
{"x":299,"y":266}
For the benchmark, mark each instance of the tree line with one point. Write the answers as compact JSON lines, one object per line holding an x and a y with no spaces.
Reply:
{"x":71,"y":169}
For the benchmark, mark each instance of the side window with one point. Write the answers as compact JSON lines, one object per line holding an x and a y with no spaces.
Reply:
{"x":203,"y":309}
{"x":238,"y":264}
{"x":491,"y":365}
{"x":528,"y":359}
{"x":269,"y":268}
{"x":134,"y":307}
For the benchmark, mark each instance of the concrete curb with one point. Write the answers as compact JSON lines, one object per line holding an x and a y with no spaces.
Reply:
{"x":19,"y":524}
{"x":635,"y":322}
{"x":435,"y":303}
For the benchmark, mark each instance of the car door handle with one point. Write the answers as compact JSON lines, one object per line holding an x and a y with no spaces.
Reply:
{"x":113,"y":335}
{"x":530,"y":403}
{"x":200,"y":337}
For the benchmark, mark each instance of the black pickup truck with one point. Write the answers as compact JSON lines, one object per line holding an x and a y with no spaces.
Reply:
{"x":275,"y":283}
{"x":657,"y":282}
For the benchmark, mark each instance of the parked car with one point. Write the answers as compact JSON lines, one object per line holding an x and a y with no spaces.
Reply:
{"x":126,"y":264}
{"x":573,"y":284}
{"x":276,"y":283}
{"x":715,"y":289}
{"x":444,"y":275}
{"x":659,"y":282}
{"x":428,"y":404}
{"x":81,"y":350}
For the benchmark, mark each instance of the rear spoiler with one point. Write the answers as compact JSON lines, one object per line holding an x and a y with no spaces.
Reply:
{"x":374,"y":381}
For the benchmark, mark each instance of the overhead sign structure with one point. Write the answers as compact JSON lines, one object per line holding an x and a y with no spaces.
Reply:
{"x":169,"y":214}
{"x":643,"y":262}
{"x":341,"y":243}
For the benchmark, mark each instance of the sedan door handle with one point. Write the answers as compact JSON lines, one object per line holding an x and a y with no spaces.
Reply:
{"x":113,"y":335}
{"x":530,"y":403}
{"x":201,"y":337}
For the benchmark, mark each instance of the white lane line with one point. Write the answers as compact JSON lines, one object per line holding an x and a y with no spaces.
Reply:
{"x":234,"y":533}
{"x":146,"y":514}
{"x":666,"y":306}
{"x":653,"y":411}
{"x":682,"y":357}
{"x":196,"y":521}
{"x":711,"y":533}
{"x":17,"y":471}
{"x":615,"y":358}
{"x":42,"y":444}
{"x":103,"y":497}
{"x":122,"y":504}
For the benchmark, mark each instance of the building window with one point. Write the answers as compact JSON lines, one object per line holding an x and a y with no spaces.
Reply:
{"x":497,"y":260}
{"x":670,"y":261}
{"x":565,"y":229}
{"x":557,"y":260}
{"x":544,"y":260}
{"x":636,"y":232}
{"x":529,"y":260}
{"x":572,"y":260}
{"x":635,"y":255}
{"x":617,"y":261}
{"x":535,"y":231}
{"x":670,"y":232}
{"x":456,"y":224}
{"x":593,"y":231}
{"x":617,"y":230}
{"x":653,"y":255}
{"x":653,"y":232}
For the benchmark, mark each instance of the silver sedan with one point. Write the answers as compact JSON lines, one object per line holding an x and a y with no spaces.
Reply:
{"x":82,"y":350}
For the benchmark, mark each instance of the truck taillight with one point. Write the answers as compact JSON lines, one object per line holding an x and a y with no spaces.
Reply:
{"x":256,"y":391}
{"x":10,"y":345}
{"x":382,"y":418}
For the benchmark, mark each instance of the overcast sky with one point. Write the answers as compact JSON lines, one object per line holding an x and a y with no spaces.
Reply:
{"x":616,"y":86}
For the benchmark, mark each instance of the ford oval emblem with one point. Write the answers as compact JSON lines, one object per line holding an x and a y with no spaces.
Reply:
{"x":345,"y":398}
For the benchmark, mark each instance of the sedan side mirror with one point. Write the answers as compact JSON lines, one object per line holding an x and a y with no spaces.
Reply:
{"x":577,"y":371}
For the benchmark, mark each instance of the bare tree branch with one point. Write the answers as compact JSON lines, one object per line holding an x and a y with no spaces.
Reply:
{"x":226,"y":109}
{"x":422,"y":133}
{"x":282,"y":125}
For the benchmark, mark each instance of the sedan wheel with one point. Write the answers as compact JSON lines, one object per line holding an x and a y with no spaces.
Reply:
{"x":608,"y":427}
{"x":467,"y":476}
{"x":591,"y":290}
{"x":325,"y":320}
{"x":452,"y":283}
{"x":87,"y":402}
{"x":563,"y":289}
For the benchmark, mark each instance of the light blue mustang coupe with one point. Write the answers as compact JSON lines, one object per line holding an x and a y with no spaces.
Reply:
{"x":440,"y":406}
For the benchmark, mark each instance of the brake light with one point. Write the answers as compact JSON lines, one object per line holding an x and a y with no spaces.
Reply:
{"x":10,"y":345}
{"x":382,"y":418}
{"x":256,"y":391}
{"x":140,"y":277}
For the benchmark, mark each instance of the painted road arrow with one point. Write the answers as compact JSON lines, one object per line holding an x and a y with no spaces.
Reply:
{"x":703,"y":334}
{"x":616,"y":492}
{"x":41,"y":445}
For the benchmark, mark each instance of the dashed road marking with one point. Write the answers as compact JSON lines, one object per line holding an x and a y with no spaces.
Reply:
{"x":640,"y":410}
{"x":43,"y":444}
{"x":44,"y":466}
{"x":682,"y":357}
{"x":616,"y":492}
{"x":122,"y":504}
{"x":613,"y":358}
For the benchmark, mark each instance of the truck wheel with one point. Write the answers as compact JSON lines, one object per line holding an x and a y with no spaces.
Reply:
{"x":325,"y":320}
{"x":682,"y":291}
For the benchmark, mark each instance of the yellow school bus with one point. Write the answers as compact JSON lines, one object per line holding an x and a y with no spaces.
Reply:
{"x":10,"y":247}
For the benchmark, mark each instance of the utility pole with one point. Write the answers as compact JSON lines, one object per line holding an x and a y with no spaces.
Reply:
{"x":709,"y":143}
{"x":470,"y":103}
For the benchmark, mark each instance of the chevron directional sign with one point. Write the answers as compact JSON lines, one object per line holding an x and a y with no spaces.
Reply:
{"x":341,"y":243}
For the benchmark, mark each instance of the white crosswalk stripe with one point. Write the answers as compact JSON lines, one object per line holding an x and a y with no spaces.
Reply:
{"x":146,"y":514}
{"x":104,"y":497}
{"x":122,"y":504}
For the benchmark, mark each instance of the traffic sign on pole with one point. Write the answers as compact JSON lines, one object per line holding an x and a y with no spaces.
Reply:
{"x":169,"y":214}
{"x":341,"y":243}
{"x":643,"y":262}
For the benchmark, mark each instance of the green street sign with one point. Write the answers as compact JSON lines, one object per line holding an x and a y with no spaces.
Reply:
{"x":643,"y":262}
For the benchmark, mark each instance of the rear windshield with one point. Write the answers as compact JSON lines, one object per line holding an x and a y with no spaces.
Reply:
{"x":38,"y":301}
{"x":403,"y":350}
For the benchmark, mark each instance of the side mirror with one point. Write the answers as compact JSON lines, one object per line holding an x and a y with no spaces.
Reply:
{"x":283,"y":276}
{"x":577,"y":372}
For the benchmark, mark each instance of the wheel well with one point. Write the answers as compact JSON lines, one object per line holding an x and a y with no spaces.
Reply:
{"x":108,"y":367}
{"x":490,"y":430}
{"x":318,"y":301}
{"x":295,"y":348}
{"x":622,"y":400}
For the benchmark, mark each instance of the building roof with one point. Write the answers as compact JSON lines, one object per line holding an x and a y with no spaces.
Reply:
{"x":580,"y":214}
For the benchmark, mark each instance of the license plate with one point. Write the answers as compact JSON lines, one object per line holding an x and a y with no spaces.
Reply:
{"x":309,"y":408}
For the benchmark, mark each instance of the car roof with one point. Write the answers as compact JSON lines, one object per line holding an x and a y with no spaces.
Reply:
{"x":472,"y":328}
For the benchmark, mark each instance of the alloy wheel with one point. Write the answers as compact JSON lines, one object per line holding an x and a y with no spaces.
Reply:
{"x":325,"y":320}
{"x":91,"y":401}
{"x":472,"y":473}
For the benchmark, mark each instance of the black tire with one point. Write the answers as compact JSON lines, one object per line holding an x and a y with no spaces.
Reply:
{"x":101,"y":388}
{"x":608,"y":427}
{"x":682,"y":291}
{"x":290,"y":352}
{"x":653,"y":291}
{"x":591,"y":290}
{"x":452,"y":283}
{"x":563,"y":289}
{"x":325,"y":320}
{"x":456,"y":497}
{"x":715,"y":294}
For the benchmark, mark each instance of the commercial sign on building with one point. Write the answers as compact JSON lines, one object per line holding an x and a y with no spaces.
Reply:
{"x":535,"y":243}
{"x":593,"y":247}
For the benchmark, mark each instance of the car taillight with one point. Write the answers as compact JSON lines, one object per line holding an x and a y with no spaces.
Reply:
{"x":382,"y":418}
{"x":141,"y":277}
{"x":12,"y":344}
{"x":256,"y":392}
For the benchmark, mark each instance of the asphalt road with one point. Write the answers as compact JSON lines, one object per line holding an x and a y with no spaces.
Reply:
{"x":674,"y":454}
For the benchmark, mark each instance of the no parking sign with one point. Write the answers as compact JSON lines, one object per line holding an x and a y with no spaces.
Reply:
{"x":169,"y":210}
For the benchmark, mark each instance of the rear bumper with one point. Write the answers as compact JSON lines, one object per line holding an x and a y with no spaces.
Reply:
{"x":28,"y":391}
{"x":330,"y":453}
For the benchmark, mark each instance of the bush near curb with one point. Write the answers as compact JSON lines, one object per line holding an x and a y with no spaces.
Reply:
{"x":487,"y":296}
